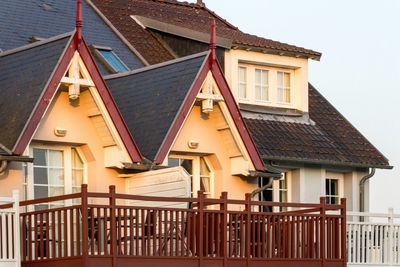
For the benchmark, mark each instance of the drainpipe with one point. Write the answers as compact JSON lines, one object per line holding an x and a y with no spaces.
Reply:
{"x":3,"y":165}
{"x":362,"y":188}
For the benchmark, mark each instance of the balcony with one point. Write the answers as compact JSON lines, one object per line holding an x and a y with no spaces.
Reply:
{"x":109,"y":229}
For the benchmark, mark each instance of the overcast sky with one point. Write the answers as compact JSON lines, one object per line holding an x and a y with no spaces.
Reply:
{"x":359,"y":71}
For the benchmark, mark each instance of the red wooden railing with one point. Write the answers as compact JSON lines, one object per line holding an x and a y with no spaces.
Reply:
{"x":109,"y":229}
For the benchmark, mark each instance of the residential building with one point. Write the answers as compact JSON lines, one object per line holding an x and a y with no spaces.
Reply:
{"x":294,"y":127}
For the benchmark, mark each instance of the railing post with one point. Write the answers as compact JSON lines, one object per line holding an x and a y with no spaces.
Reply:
{"x":85,"y":228}
{"x":113,"y":225}
{"x":391,"y":233}
{"x":248,"y":225}
{"x":17,"y":246}
{"x":200,"y":202}
{"x":224,"y":209}
{"x":322,"y":202}
{"x":343,"y":232}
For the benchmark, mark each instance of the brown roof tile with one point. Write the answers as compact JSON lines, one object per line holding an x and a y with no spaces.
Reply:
{"x":183,"y":14}
{"x":332,"y":139}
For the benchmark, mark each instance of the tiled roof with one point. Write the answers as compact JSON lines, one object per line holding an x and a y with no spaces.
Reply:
{"x":149,"y":99}
{"x":329,"y":138}
{"x":23,"y":76}
{"x":182,"y":14}
{"x":22,"y":19}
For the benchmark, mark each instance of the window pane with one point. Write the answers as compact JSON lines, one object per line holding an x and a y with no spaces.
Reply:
{"x":287,"y":80}
{"x":40,"y":175}
{"x":77,"y":177}
{"x":40,"y":191}
{"x":55,"y":158}
{"x":56,"y":177}
{"x":242,"y":77}
{"x":77,"y":162}
{"x":204,"y":170}
{"x":280,"y":79}
{"x":205,"y":184}
{"x":56,"y":191}
{"x":173,"y":162}
{"x":114,"y":61}
{"x":39,"y":157}
{"x":187,"y":164}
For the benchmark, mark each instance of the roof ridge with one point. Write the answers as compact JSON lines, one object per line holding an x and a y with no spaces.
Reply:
{"x":35,"y":44}
{"x":195,"y":5}
{"x":155,"y":66}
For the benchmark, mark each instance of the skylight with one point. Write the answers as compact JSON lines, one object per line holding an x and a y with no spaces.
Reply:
{"x":110,"y":59}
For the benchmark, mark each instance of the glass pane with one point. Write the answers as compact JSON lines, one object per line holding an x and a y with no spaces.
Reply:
{"x":265,"y":77}
{"x":187,"y":164}
{"x":280,"y":79}
{"x":77,"y":177}
{"x":258,"y":92}
{"x":56,"y":191}
{"x":56,"y":177}
{"x":39,"y":157}
{"x":113,"y":60}
{"x":56,"y":158}
{"x":258,"y":76}
{"x":327,"y":186}
{"x":205,"y":184}
{"x":77,"y":162}
{"x":242,"y":91}
{"x":204,"y":170}
{"x":287,"y":79}
{"x":242,"y":74}
{"x":283,"y":184}
{"x":334,"y":187}
{"x":173,"y":162}
{"x":283,"y":196}
{"x":40,"y":175}
{"x":40,"y":191}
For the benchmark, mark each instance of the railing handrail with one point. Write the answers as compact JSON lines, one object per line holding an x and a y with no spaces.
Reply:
{"x":376,"y":215}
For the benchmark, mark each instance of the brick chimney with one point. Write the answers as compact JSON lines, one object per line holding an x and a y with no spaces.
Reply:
{"x":200,"y":3}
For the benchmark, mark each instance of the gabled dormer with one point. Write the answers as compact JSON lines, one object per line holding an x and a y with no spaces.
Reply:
{"x":278,"y":83}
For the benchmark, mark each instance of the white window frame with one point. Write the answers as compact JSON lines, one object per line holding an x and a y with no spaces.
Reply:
{"x":67,"y":165}
{"x":196,"y":173}
{"x":284,"y":88}
{"x":340,"y":178}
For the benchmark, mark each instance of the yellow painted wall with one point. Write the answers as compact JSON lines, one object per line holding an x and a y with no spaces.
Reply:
{"x":83,"y":130}
{"x":219,"y":144}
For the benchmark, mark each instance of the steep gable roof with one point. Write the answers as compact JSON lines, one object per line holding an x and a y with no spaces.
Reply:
{"x":28,"y":94}
{"x":327,"y":139}
{"x":185,"y":15}
{"x":23,"y":76}
{"x":158,"y":99}
{"x":150,"y":99}
{"x":20,"y":20}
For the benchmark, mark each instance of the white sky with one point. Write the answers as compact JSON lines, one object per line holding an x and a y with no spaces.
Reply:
{"x":359,"y":72}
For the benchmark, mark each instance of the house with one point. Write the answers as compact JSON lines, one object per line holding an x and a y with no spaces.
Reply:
{"x":70,"y":126}
{"x":294,"y":128}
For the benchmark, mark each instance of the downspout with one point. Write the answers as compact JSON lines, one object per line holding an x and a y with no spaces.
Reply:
{"x":3,"y":165}
{"x":362,"y":188}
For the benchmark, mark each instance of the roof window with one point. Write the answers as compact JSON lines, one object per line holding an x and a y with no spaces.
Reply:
{"x":107,"y":56}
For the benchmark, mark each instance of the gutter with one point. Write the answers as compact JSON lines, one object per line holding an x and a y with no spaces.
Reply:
{"x":327,"y":162}
{"x":362,"y":188}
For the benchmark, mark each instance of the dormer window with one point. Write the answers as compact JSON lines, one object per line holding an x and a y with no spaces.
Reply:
{"x":242,"y":86}
{"x":107,"y":56}
{"x":283,"y":87}
{"x":261,"y":84}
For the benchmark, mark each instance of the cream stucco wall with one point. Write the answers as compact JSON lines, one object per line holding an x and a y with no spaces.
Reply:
{"x":217,"y":143}
{"x":12,"y":179}
{"x":308,"y":185}
{"x":298,"y":66}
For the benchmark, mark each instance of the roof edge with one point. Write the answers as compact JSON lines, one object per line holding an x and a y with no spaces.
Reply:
{"x":328,"y":162}
{"x":174,"y":127}
{"x":40,"y":98}
{"x":155,"y":66}
{"x":35,"y":44}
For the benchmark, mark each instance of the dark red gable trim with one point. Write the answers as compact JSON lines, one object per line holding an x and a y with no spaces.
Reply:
{"x":230,"y":103}
{"x":108,"y":101}
{"x":52,"y":86}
